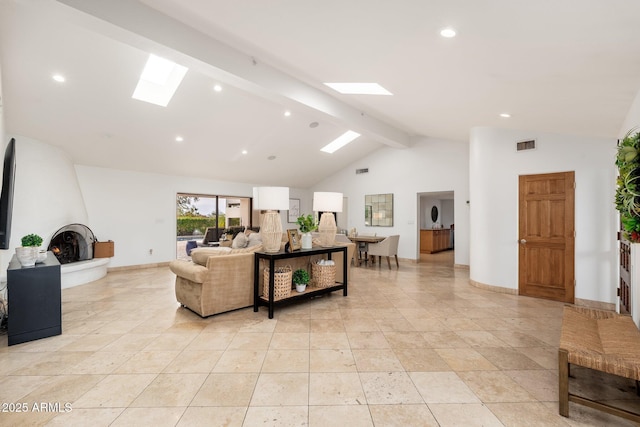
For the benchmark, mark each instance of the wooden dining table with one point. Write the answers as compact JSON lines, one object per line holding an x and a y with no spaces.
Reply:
{"x":366,"y":240}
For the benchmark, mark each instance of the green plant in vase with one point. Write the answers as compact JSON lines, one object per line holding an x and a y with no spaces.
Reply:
{"x":627,"y":197}
{"x":27,"y":254}
{"x":301,"y":279}
{"x":31,"y":240}
{"x":307,"y":224}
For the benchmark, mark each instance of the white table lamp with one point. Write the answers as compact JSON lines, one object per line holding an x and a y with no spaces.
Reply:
{"x":327,"y":203}
{"x":271,"y":199}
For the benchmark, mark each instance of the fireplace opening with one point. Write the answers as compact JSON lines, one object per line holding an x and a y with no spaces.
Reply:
{"x":72,"y":243}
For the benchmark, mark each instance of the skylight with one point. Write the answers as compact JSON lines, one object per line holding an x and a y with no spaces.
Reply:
{"x":159,"y":81}
{"x":359,"y":88}
{"x":340,"y":142}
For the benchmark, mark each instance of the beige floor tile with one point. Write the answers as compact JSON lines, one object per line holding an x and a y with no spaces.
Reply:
{"x":250,"y":341}
{"x":340,"y":360}
{"x":156,"y":417}
{"x":226,"y":390}
{"x":406,"y":340}
{"x":15,"y":388}
{"x":461,"y":324}
{"x":326,"y":416}
{"x":292,"y":325}
{"x":417,"y":415}
{"x":115,"y":391}
{"x":507,"y":358}
{"x":277,"y":416}
{"x":481,"y":339}
{"x":547,"y":357}
{"x":100,"y":362}
{"x":86,"y":417}
{"x":90,"y":342}
{"x":385,"y":388}
{"x":194,"y":361}
{"x":211,"y":340}
{"x":376,"y":360}
{"x":286,"y":361}
{"x":283,"y":389}
{"x":518,"y":339}
{"x":62,"y":389}
{"x":328,"y":340}
{"x":442,"y":387}
{"x":130,"y":342}
{"x":240,"y":361}
{"x":53,"y":363}
{"x":171,"y":341}
{"x":212,"y":417}
{"x":529,"y":414}
{"x":368,"y":340}
{"x":326,"y":325}
{"x":444,"y":339}
{"x":465,"y":359}
{"x":542,"y":384}
{"x":290,"y":341}
{"x":361,"y":325}
{"x":464,"y":414}
{"x":340,"y":388}
{"x":12,"y":361}
{"x":427,"y":324}
{"x":146,"y":362}
{"x":495,"y":386}
{"x":170,"y":390}
{"x":420,"y":360}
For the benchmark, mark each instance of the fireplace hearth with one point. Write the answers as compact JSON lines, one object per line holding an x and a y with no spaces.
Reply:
{"x":72,"y":243}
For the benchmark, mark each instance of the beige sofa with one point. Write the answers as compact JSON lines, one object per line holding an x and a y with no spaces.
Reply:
{"x":221,"y":279}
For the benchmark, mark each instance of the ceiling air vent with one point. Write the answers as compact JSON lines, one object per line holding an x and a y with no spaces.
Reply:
{"x":526,"y":145}
{"x":363,"y":170}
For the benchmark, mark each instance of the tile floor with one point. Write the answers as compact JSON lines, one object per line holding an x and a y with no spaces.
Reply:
{"x":416,"y":346}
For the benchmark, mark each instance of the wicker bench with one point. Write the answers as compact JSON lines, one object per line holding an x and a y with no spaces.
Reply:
{"x":599,"y":340}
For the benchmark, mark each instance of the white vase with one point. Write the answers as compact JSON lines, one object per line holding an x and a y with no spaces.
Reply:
{"x":301,"y":288}
{"x":307,"y":241}
{"x":27,"y":255}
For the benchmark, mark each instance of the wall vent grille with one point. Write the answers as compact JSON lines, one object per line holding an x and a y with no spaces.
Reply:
{"x":363,"y":170}
{"x":526,"y":145}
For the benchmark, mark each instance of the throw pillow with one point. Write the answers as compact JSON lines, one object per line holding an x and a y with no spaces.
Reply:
{"x":200,"y":255}
{"x":253,"y":240}
{"x":240,"y":241}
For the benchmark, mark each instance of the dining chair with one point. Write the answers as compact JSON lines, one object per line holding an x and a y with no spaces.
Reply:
{"x":387,"y":248}
{"x":363,"y":247}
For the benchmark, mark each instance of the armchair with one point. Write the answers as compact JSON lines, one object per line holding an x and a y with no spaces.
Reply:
{"x":388,"y":247}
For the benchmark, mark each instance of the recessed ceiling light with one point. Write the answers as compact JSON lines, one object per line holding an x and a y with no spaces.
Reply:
{"x":313,"y":125}
{"x":287,"y":113}
{"x":159,"y":81}
{"x":217,"y":88}
{"x":271,"y":158}
{"x":505,"y":115}
{"x":244,"y":151}
{"x":179,"y":139}
{"x":359,"y":88}
{"x":340,"y":142}
{"x":448,"y":32}
{"x":59,"y":78}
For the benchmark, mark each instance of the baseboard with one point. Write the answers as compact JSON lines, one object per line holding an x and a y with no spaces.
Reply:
{"x":138,"y":266}
{"x":497,"y":289}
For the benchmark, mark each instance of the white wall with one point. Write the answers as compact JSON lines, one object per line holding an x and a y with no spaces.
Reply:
{"x":430,"y":165}
{"x":46,"y":194}
{"x":632,"y":121}
{"x":494,"y":168}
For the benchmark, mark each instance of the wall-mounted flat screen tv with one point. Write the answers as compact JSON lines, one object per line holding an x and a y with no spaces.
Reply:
{"x":6,"y":198}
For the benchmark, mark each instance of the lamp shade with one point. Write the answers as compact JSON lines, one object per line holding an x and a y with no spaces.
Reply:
{"x":271,"y":198}
{"x":327,"y":202}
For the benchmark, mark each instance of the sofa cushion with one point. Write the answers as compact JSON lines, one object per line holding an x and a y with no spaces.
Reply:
{"x":200,"y":255}
{"x":250,"y":249}
{"x":240,"y":241}
{"x":189,"y":270}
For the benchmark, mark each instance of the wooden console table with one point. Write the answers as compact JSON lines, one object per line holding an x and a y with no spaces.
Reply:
{"x":310,"y":292}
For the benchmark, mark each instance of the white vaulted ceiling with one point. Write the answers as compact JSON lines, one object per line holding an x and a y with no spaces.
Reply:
{"x":563,"y":66}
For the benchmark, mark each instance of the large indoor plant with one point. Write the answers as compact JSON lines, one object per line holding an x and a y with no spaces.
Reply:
{"x":307,"y":225}
{"x":27,"y":254}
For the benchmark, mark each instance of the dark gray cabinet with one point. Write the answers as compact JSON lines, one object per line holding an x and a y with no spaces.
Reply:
{"x":34,"y":296}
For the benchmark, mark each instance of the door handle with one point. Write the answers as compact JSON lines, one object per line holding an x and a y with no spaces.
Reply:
{"x":523,"y":241}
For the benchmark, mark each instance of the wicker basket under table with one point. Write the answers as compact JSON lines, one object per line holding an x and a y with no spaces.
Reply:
{"x":323,"y":276}
{"x":281,"y":283}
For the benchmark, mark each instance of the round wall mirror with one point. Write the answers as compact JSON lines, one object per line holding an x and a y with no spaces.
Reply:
{"x":434,"y":213}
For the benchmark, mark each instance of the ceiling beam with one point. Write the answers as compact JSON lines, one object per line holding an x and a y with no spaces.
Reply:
{"x":139,"y":25}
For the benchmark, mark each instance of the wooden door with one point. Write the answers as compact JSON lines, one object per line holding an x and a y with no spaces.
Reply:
{"x":547,"y":236}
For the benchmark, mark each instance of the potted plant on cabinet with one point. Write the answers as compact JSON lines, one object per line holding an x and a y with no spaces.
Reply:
{"x":27,"y":254}
{"x":301,"y":279}
{"x":307,"y":225}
